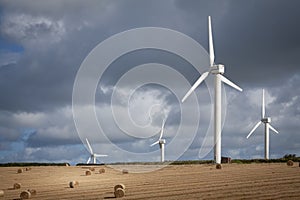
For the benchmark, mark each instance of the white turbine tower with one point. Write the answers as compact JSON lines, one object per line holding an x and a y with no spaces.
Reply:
{"x":161,"y":142}
{"x":93,"y":155}
{"x":266,"y":121}
{"x":217,"y":70}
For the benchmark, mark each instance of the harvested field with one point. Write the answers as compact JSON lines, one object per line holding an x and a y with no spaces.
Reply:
{"x":233,"y":181}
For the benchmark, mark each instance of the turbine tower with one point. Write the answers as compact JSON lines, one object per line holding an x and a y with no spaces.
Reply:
{"x":266,"y":121}
{"x":93,"y":155}
{"x":217,"y":70}
{"x":161,"y":142}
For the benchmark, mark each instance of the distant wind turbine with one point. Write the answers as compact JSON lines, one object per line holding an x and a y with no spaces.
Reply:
{"x":161,"y":142}
{"x":266,"y":121}
{"x":93,"y":155}
{"x":217,"y":70}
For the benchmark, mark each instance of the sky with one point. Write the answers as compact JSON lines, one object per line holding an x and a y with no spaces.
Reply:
{"x":46,"y":45}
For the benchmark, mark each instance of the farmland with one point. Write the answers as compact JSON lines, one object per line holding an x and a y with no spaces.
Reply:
{"x":195,"y":181}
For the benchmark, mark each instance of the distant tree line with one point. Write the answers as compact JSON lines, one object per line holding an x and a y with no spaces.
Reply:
{"x":84,"y":164}
{"x":25,"y":164}
{"x":285,"y":158}
{"x":290,"y":156}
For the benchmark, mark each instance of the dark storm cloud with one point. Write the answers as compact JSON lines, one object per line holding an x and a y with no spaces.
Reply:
{"x":254,"y":39}
{"x":56,"y":37}
{"x":264,"y":40}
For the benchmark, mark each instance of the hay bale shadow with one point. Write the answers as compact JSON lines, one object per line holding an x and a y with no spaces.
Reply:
{"x":109,"y":195}
{"x":112,"y":197}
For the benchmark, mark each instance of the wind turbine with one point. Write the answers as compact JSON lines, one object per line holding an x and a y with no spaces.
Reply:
{"x":266,"y":121}
{"x":93,"y":155}
{"x":217,"y":70}
{"x":161,"y":142}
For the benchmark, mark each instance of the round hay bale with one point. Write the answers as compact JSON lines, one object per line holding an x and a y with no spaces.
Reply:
{"x":102,"y":170}
{"x":92,"y":169}
{"x":218,"y":166}
{"x":1,"y":193}
{"x":32,"y":191}
{"x":73,"y":184}
{"x":17,"y":186}
{"x":122,"y":186}
{"x":88,"y":173}
{"x":119,"y":193}
{"x":28,"y":169}
{"x":25,"y":195}
{"x":290,"y":163}
{"x":125,"y":171}
{"x":20,"y":171}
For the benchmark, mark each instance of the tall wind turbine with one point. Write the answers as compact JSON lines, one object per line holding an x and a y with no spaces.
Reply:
{"x":93,"y":155}
{"x":266,"y":121}
{"x":161,"y":142}
{"x":217,"y":70}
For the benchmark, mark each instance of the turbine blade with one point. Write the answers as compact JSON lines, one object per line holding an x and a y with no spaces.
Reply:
{"x":255,"y":127}
{"x":162,"y":129}
{"x":154,"y":143}
{"x":90,"y":148}
{"x":88,"y":161}
{"x":228,"y":82}
{"x":211,"y":43}
{"x":100,"y":155}
{"x":263,"y":105}
{"x":196,"y":84}
{"x":273,"y":129}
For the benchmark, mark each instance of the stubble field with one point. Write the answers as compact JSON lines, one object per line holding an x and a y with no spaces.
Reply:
{"x":233,"y":181}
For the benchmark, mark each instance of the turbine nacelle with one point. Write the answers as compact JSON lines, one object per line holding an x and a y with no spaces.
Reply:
{"x":162,"y":141}
{"x":217,"y":69}
{"x":266,"y":120}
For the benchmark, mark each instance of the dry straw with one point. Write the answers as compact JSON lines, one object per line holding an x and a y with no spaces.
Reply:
{"x":73,"y":184}
{"x":88,"y":173}
{"x":25,"y":195}
{"x":17,"y":186}
{"x":102,"y":170}
{"x":218,"y":166}
{"x":122,"y":186}
{"x":290,"y":163}
{"x":1,"y":193}
{"x":20,"y":171}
